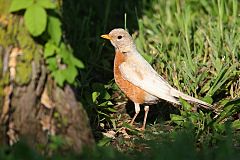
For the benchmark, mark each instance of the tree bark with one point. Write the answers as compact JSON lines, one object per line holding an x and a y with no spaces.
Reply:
{"x":32,"y":106}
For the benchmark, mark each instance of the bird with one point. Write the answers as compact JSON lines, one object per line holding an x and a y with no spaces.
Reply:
{"x":138,"y":80}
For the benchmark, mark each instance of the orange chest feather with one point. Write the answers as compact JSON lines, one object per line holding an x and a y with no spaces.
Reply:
{"x":133,"y":92}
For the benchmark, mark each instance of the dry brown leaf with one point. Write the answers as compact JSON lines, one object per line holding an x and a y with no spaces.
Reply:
{"x":45,"y":100}
{"x":48,"y":125}
{"x":3,"y":20}
{"x":6,"y":104}
{"x":12,"y":135}
{"x":109,"y":134}
{"x":13,"y":61}
{"x":124,"y":132}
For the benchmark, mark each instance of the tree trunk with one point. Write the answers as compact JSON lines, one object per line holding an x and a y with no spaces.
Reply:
{"x":32,"y":106}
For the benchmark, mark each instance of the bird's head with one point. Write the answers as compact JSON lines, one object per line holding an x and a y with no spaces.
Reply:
{"x":121,"y":40}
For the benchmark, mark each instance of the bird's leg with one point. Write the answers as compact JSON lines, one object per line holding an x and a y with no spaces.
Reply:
{"x":137,"y":110}
{"x":146,"y":109}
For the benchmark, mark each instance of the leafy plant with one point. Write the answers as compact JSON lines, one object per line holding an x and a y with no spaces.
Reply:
{"x":40,"y":22}
{"x":100,"y":102}
{"x":198,"y":121}
{"x":35,"y":15}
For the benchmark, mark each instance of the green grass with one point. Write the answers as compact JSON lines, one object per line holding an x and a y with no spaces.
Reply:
{"x":195,"y":45}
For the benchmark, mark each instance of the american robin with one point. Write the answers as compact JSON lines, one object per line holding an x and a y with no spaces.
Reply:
{"x":137,"y":79}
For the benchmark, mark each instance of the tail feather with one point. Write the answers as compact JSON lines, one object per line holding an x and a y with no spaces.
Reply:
{"x":179,"y":94}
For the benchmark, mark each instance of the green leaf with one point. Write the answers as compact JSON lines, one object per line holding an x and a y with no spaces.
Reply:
{"x":17,"y":5}
{"x":177,"y":119}
{"x":208,"y":99}
{"x":219,"y":127}
{"x":49,"y":49}
{"x":193,"y":118}
{"x":104,"y":104}
{"x":107,"y":103}
{"x":52,"y":63}
{"x":206,"y":87}
{"x":67,"y":56}
{"x":77,"y":62}
{"x":48,"y":4}
{"x":111,"y":109}
{"x":35,"y":19}
{"x":59,"y":77}
{"x":64,"y":53}
{"x":54,"y":29}
{"x":99,"y":87}
{"x":94,"y":96}
{"x":104,"y":114}
{"x":70,"y":74}
{"x":236,"y":124}
{"x":230,"y":108}
{"x":185,"y":104}
{"x":104,"y":141}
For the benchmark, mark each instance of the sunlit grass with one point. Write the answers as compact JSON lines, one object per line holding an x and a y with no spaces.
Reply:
{"x":195,"y":45}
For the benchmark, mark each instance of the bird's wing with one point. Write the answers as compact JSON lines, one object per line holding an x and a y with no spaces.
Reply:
{"x":141,"y":74}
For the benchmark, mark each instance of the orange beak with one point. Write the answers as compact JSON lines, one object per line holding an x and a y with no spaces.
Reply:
{"x":106,"y":36}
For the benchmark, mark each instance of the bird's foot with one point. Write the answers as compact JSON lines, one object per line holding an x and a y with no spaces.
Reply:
{"x":142,"y":129}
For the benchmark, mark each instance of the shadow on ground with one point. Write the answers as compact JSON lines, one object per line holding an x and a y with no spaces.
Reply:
{"x":157,"y":112}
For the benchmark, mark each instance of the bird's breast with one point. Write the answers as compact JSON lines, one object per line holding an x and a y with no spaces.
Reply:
{"x":134,"y":93}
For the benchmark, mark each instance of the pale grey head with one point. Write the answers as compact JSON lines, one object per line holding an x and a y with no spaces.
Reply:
{"x":121,"y":40}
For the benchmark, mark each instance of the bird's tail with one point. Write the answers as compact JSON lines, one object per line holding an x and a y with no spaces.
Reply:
{"x":179,"y":94}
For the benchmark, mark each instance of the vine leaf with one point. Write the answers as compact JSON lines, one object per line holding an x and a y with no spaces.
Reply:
{"x":49,"y":49}
{"x":17,"y":5}
{"x":58,"y":77}
{"x":54,"y":29}
{"x":77,"y":62}
{"x":46,"y":4}
{"x":35,"y":19}
{"x":70,"y":74}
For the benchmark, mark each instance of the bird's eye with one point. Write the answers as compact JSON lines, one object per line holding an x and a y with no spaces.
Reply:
{"x":119,"y":37}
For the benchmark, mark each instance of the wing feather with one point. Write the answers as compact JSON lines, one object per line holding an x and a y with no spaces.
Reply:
{"x":141,"y":74}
